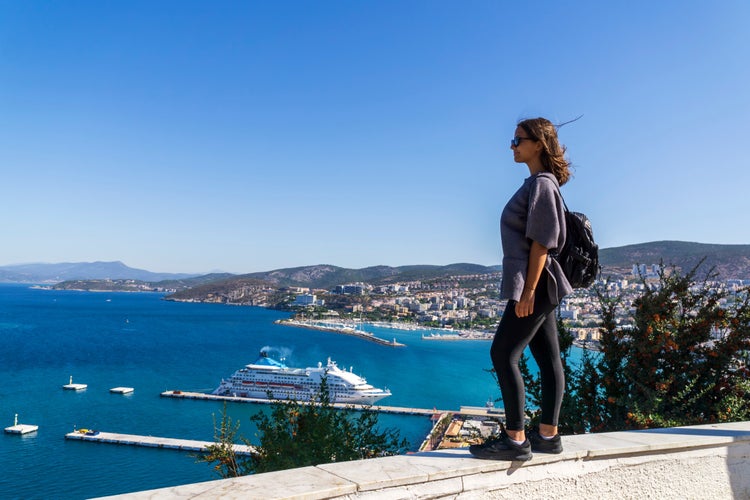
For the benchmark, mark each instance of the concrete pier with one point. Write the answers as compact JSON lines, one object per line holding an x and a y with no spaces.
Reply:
{"x":343,"y":406}
{"x":337,"y":328}
{"x":150,"y":441}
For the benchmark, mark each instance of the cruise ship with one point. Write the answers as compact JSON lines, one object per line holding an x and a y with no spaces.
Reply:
{"x":266,"y":375}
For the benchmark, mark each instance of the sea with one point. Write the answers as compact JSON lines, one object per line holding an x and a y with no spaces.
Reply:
{"x":139,"y":340}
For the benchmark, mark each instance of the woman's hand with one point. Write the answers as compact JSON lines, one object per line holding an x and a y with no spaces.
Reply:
{"x":537,"y":259}
{"x":525,"y":306}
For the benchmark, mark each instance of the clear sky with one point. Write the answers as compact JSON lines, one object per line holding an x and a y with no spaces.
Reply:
{"x":183,"y":136}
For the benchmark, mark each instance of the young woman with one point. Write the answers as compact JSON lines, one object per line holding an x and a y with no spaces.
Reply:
{"x":532,"y":226}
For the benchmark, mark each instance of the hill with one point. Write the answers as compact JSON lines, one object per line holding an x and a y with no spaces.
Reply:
{"x":326,"y":276}
{"x":258,"y":288}
{"x":730,"y":261}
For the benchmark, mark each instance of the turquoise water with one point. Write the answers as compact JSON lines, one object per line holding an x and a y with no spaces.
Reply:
{"x":137,"y":340}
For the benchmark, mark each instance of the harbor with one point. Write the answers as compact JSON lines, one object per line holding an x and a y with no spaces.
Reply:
{"x":459,"y":336}
{"x":451,"y":429}
{"x":157,"y":351}
{"x":396,"y":410}
{"x":150,"y":441}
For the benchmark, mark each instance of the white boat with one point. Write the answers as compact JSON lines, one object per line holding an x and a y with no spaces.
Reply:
{"x":266,"y":375}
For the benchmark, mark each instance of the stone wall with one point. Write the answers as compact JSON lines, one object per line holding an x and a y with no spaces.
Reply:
{"x":707,"y":461}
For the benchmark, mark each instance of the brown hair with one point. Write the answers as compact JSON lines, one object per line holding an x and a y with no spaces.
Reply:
{"x":553,"y":153}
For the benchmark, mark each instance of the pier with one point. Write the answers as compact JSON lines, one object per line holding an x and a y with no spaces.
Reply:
{"x":338,"y":327}
{"x":74,"y":387}
{"x":397,"y":410}
{"x":17,"y":428}
{"x":121,"y":390}
{"x":150,"y":441}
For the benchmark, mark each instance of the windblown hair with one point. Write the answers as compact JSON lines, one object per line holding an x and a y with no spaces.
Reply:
{"x":553,"y":153}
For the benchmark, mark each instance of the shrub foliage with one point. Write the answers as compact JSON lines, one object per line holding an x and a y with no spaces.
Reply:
{"x":683,"y":361}
{"x":297,"y":434}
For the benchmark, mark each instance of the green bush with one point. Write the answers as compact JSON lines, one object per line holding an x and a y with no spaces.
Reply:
{"x":683,"y":362}
{"x":297,"y":434}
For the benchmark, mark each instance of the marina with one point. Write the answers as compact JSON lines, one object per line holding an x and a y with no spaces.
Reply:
{"x":396,"y":410}
{"x":459,"y":336}
{"x":150,"y":441}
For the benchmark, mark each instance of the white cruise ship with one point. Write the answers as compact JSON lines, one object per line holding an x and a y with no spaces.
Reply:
{"x":266,"y":375}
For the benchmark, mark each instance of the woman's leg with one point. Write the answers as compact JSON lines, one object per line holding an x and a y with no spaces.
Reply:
{"x":545,"y":347}
{"x":512,"y":337}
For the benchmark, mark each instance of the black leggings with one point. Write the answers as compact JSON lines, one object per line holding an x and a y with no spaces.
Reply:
{"x":539,"y":332}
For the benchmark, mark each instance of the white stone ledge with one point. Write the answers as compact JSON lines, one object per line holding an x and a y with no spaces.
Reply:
{"x":706,"y":461}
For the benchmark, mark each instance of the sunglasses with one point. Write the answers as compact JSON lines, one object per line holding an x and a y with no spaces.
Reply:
{"x":516,"y":141}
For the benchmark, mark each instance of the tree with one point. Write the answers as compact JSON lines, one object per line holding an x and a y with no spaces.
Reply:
{"x":297,"y":434}
{"x":222,"y":451}
{"x":683,"y":361}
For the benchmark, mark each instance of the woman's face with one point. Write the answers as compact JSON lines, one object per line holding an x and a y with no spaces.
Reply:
{"x":527,"y":150}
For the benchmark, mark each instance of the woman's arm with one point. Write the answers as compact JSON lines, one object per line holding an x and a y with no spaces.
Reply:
{"x":537,"y":260}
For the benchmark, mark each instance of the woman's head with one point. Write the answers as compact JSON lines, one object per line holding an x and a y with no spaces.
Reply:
{"x":552,"y":153}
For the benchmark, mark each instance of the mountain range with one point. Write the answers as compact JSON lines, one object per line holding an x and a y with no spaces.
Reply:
{"x":54,"y":273}
{"x":730,"y":261}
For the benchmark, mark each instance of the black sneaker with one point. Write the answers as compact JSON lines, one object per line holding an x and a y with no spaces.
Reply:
{"x":541,"y":445}
{"x":502,"y":448}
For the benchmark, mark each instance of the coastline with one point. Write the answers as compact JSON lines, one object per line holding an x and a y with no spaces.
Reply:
{"x":445,"y":334}
{"x":350,"y":327}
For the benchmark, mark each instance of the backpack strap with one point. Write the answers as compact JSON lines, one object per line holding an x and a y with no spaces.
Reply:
{"x":550,"y":175}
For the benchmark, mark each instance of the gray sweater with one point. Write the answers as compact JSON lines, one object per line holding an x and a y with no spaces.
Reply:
{"x":536,"y":212}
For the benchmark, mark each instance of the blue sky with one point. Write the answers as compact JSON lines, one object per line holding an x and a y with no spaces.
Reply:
{"x":183,"y":136}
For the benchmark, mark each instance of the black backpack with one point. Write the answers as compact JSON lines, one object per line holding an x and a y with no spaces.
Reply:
{"x":579,"y":256}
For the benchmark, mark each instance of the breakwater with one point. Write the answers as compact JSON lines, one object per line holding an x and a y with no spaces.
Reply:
{"x":339,"y":327}
{"x":150,"y":441}
{"x":397,"y":410}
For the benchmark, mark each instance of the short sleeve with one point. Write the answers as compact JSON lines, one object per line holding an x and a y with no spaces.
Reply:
{"x":543,"y":223}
